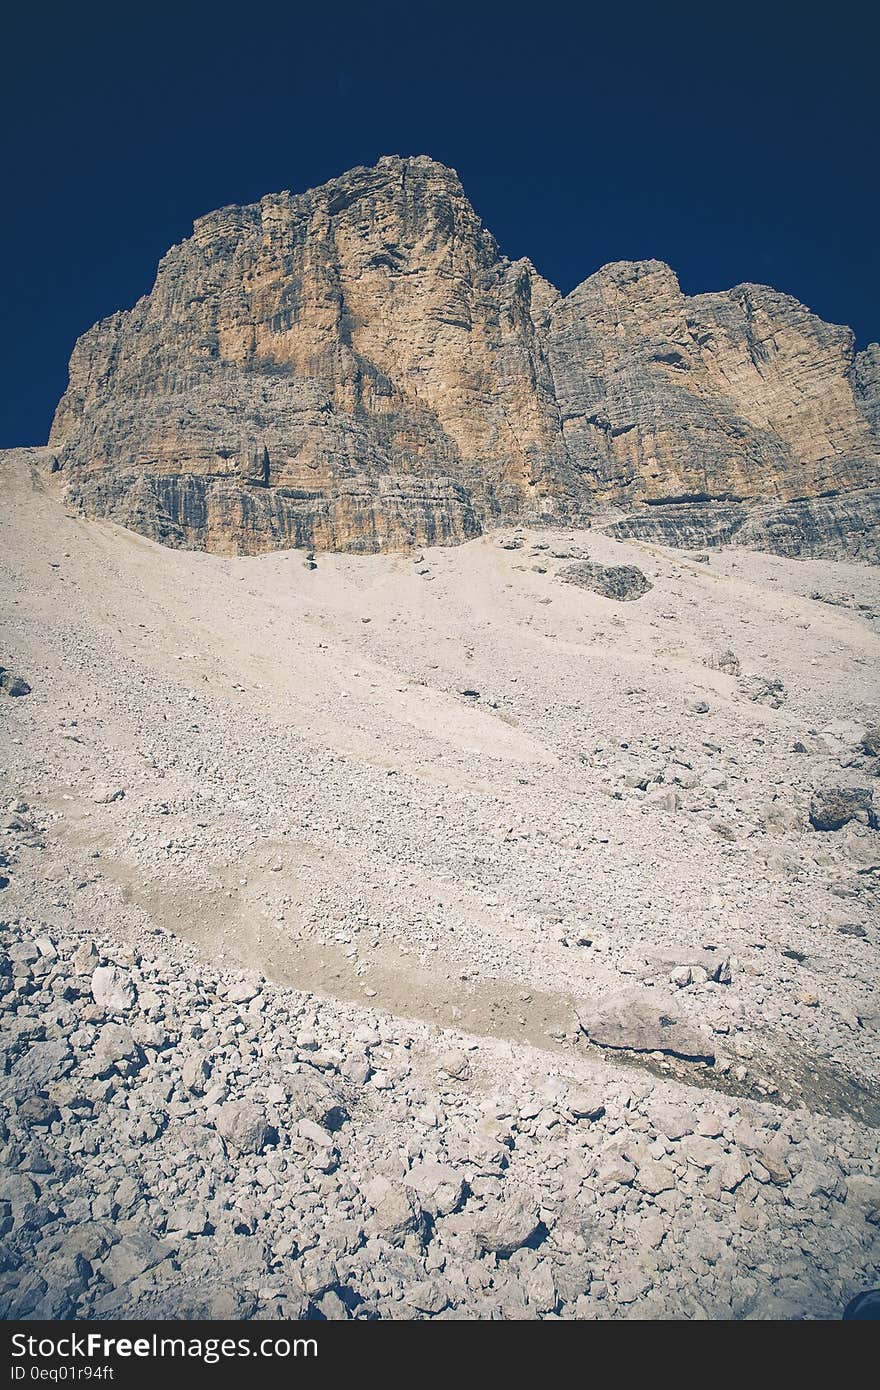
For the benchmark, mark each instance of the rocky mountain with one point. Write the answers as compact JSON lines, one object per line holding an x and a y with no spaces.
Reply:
{"x":358,"y":367}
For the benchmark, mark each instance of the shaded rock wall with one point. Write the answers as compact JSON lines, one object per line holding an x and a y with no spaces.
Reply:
{"x":843,"y":527}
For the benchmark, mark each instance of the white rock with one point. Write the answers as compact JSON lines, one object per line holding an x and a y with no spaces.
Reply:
{"x":103,"y":795}
{"x":113,"y":989}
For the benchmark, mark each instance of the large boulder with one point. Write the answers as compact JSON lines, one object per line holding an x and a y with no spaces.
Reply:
{"x":837,"y":806}
{"x":642,"y":1020}
{"x":621,"y":582}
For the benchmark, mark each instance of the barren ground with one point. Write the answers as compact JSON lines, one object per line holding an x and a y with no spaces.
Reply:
{"x":444,"y":797}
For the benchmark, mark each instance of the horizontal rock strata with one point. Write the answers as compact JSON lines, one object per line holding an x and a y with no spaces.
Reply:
{"x":358,"y":367}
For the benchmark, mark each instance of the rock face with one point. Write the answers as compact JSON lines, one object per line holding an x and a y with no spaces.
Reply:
{"x":842,"y":527}
{"x":358,"y":367}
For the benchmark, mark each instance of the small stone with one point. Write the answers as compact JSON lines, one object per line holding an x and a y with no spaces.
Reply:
{"x":870,"y":742}
{"x":85,"y":958}
{"x":507,"y":1224}
{"x":242,"y":992}
{"x":396,"y":1210}
{"x":616,"y":1171}
{"x":244,"y":1126}
{"x":315,"y":1134}
{"x":194,"y":1073}
{"x":456,"y":1065}
{"x":115,"y":1051}
{"x":105,"y":795}
{"x":12,"y":685}
{"x":584,"y":1106}
{"x":439,"y":1187}
{"x":655,"y":1177}
{"x":701,"y":1151}
{"x":38,"y":1111}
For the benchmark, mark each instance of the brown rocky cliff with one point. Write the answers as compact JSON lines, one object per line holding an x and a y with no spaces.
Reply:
{"x":358,"y":367}
{"x":743,"y":393}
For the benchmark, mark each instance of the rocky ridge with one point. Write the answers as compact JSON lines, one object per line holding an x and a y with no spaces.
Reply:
{"x":359,"y":367}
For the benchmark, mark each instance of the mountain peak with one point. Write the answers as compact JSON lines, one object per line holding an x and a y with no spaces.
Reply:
{"x":358,"y":366}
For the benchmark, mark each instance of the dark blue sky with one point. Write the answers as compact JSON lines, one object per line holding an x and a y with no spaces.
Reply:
{"x":736,"y":142}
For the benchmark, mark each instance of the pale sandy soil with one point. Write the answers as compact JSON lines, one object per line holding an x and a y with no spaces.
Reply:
{"x":310,"y":793}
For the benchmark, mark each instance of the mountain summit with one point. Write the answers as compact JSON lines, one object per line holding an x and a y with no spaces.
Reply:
{"x":358,"y":367}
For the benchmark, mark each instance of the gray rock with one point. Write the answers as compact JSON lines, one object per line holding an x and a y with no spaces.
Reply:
{"x":17,"y":1191}
{"x":132,"y":1255}
{"x":115,"y":1050}
{"x":669,"y":1120}
{"x":585,"y":1105}
{"x":43,"y":1064}
{"x":870,"y":742}
{"x":105,"y":796}
{"x":507,"y":1223}
{"x":314,"y":1098}
{"x":13,"y":685}
{"x":242,"y":992}
{"x":38,"y":1111}
{"x":456,"y":1065}
{"x":195,"y":1073}
{"x":701,"y":1151}
{"x":642,"y":1021}
{"x":85,"y":958}
{"x":621,"y":582}
{"x":244,"y":1126}
{"x":726,"y":661}
{"x":653,"y":1178}
{"x":837,"y":806}
{"x":439,"y":1187}
{"x":396,"y":1210}
{"x":428,"y":1296}
{"x":762,"y":690}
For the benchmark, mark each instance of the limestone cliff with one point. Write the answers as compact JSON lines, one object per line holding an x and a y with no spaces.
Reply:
{"x":359,"y":367}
